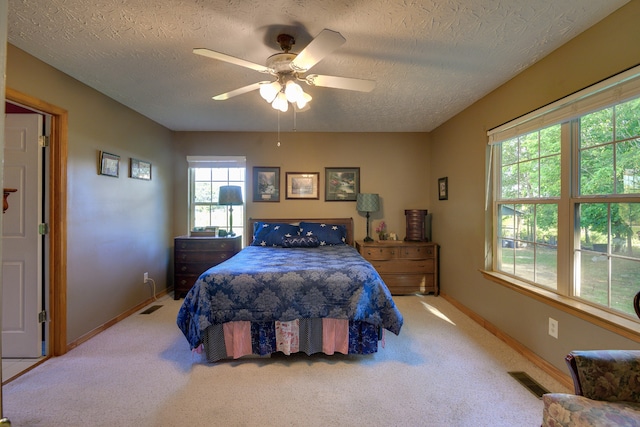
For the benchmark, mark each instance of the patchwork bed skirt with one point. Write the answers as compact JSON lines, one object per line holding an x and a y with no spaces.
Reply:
{"x":237,"y":339}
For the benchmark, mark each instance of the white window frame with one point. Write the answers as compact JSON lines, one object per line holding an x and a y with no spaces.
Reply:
{"x":218,"y":162}
{"x":614,"y":90}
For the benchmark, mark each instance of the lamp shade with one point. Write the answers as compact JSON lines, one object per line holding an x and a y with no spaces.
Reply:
{"x":230,"y":195}
{"x":367,"y":202}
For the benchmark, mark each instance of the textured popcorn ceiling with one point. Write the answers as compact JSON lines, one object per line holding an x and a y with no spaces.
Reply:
{"x":430,"y":59}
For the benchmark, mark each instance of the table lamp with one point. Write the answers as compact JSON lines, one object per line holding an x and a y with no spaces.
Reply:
{"x":230,"y":195}
{"x":367,"y":202}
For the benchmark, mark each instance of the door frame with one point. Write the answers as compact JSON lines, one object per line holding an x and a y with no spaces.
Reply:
{"x":57,"y":178}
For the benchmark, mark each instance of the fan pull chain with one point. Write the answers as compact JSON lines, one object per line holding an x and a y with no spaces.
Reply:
{"x":278,"y":129}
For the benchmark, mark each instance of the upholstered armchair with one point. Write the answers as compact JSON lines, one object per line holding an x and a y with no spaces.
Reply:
{"x":607,"y":391}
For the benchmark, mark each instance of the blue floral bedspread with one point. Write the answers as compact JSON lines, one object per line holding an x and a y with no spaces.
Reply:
{"x":281,"y":284}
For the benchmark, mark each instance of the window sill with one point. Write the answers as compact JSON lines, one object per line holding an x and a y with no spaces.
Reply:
{"x":618,"y":324}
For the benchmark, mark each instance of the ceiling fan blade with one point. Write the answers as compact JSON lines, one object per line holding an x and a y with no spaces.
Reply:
{"x":360,"y":85}
{"x":325,"y":43}
{"x":231,"y":59}
{"x":240,"y":91}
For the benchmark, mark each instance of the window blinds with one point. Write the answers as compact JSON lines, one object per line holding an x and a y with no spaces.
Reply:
{"x":216,"y":161}
{"x":613,"y":90}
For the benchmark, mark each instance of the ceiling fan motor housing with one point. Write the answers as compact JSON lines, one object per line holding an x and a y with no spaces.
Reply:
{"x":279,"y":62}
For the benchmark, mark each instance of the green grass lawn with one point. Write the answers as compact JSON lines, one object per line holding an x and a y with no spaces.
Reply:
{"x":594,"y":271}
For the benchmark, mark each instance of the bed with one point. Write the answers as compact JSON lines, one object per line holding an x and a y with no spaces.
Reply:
{"x":287,"y":292}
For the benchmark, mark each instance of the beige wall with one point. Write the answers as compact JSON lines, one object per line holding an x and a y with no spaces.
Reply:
{"x":118,"y":228}
{"x":394,"y":165}
{"x":459,"y":150}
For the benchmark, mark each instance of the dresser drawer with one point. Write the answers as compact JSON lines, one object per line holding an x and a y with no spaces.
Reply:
{"x":195,"y":255}
{"x":205,"y":244}
{"x":402,"y":284}
{"x":403,"y":266}
{"x":415,"y":252}
{"x":192,"y":268}
{"x":209,"y":256}
{"x":379,"y":253}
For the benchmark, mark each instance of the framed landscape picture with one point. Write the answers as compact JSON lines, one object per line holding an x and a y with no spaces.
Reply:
{"x":109,"y":164}
{"x":302,"y":185}
{"x":139,"y":169}
{"x":341,"y":184}
{"x":266,"y":184}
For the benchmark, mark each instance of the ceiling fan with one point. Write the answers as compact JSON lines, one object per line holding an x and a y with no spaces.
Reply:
{"x":289,"y":68}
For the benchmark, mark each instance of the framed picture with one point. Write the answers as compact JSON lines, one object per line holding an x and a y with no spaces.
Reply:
{"x":109,"y":164}
{"x":139,"y":169}
{"x":341,"y":184}
{"x":302,"y":185}
{"x":266,"y":184}
{"x":443,"y":188}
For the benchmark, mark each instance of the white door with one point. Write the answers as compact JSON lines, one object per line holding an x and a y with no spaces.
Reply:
{"x":21,"y":241}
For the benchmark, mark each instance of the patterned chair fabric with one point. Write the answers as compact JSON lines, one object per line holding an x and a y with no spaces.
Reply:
{"x":607,"y":387}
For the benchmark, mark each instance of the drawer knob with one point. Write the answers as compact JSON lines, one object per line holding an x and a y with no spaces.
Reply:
{"x":184,"y":268}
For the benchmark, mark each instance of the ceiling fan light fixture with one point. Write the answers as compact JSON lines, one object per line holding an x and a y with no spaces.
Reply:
{"x":303,"y":100}
{"x":280,"y":103}
{"x":268,"y":91}
{"x":293,"y":91}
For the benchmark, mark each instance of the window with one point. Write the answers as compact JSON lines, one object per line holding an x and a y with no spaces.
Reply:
{"x":566,"y":192}
{"x":206,"y":176}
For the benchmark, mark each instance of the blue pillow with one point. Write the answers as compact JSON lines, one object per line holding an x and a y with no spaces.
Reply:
{"x":327,"y":234}
{"x":300,"y":242}
{"x":272,"y":233}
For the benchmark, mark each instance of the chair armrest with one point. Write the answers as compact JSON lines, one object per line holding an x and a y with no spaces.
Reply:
{"x":610,"y":375}
{"x":573,"y":370}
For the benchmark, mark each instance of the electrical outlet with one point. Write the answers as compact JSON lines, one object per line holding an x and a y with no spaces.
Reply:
{"x":146,"y":277}
{"x":553,"y":327}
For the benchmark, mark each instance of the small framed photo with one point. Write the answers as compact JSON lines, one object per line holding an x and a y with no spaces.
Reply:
{"x":443,"y":188}
{"x":139,"y":169}
{"x":109,"y":164}
{"x":341,"y":184}
{"x":266,"y":184}
{"x":302,"y":185}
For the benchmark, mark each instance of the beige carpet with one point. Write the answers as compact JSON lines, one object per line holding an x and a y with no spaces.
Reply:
{"x":443,"y":370}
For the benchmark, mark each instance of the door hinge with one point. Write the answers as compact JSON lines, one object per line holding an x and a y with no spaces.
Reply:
{"x":42,"y":316}
{"x":43,"y":140}
{"x":43,"y":228}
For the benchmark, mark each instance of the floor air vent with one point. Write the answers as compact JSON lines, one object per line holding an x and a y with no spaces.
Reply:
{"x":529,"y":383}
{"x":151,"y":309}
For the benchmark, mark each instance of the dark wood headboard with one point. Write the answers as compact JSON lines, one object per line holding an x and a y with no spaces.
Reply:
{"x":347,"y":222}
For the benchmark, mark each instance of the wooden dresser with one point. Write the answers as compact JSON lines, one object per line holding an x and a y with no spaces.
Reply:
{"x":195,"y":255}
{"x":405,"y":267}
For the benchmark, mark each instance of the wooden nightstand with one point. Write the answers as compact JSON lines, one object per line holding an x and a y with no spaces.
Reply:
{"x":405,"y":267}
{"x":195,"y":255}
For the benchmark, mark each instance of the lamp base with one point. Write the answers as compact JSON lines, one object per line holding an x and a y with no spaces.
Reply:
{"x":368,"y":239}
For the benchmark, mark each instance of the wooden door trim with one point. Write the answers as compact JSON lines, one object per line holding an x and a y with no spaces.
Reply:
{"x":57,"y":217}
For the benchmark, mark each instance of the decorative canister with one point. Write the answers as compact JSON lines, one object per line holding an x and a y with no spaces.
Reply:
{"x":415,"y":225}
